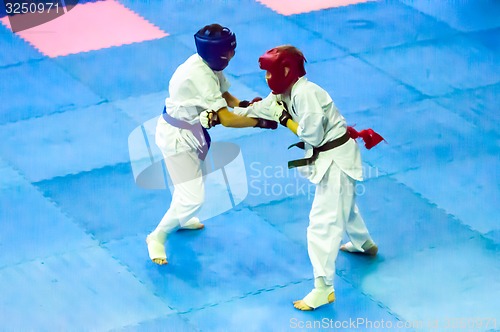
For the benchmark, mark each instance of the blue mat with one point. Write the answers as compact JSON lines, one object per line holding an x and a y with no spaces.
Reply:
{"x":15,"y":50}
{"x":32,"y":225}
{"x":479,"y":107}
{"x":429,"y":70}
{"x":73,"y":223}
{"x":171,"y":322}
{"x":40,"y":88}
{"x":440,"y":267}
{"x":129,"y":70}
{"x":355,"y":85}
{"x":365,"y":27}
{"x":276,"y":313}
{"x":66,"y":143}
{"x":91,"y":199}
{"x":465,"y":16}
{"x":455,"y":184}
{"x":489,"y":38}
{"x":144,"y":107}
{"x":237,"y":252}
{"x":176,"y":17}
{"x":415,"y":140}
{"x":80,"y":289}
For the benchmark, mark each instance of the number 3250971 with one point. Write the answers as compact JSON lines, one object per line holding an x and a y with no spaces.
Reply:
{"x":31,"y":7}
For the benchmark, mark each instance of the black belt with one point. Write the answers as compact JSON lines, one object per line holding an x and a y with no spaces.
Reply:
{"x":325,"y":147}
{"x":200,"y":133}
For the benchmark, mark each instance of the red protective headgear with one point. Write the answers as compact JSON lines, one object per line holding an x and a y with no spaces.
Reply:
{"x":275,"y":60}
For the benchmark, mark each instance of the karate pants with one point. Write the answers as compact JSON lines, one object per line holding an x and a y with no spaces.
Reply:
{"x":185,"y":170}
{"x":333,"y":211}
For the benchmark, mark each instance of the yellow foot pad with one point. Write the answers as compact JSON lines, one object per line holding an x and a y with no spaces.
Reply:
{"x":315,"y":299}
{"x":156,"y":251}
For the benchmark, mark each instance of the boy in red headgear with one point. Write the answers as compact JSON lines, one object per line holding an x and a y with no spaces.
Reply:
{"x":333,"y":163}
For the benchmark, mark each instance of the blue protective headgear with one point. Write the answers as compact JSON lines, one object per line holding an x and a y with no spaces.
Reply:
{"x":213,"y":43}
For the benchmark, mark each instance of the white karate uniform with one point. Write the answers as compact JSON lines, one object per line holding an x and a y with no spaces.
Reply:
{"x":335,"y":172}
{"x":193,"y":88}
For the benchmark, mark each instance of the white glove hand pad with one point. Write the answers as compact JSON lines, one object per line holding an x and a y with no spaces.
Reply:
{"x":276,"y":109}
{"x":204,"y":119}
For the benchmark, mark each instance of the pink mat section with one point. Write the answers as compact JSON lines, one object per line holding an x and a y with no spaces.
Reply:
{"x":87,"y":27}
{"x":304,"y":6}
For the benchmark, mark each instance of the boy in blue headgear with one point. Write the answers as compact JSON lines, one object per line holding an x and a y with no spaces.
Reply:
{"x":198,"y":92}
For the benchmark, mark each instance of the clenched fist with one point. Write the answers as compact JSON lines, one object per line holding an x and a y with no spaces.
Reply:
{"x":209,"y":119}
